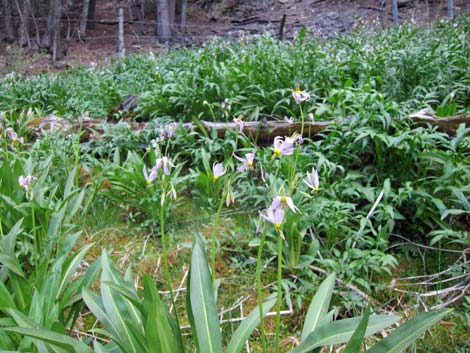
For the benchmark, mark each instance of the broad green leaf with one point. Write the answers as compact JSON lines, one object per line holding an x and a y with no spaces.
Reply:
{"x":354,"y":344}
{"x":204,"y":311}
{"x":54,"y":338}
{"x":72,"y":266}
{"x":118,"y":308}
{"x":319,"y":306}
{"x":409,"y":332}
{"x":246,"y":328}
{"x":341,"y":331}
{"x":6,"y":300}
{"x":93,"y":302}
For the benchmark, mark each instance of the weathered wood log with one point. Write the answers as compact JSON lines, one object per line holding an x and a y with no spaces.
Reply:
{"x":447,"y":124}
{"x":259,"y":131}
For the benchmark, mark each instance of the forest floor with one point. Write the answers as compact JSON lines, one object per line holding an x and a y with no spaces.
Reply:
{"x":225,"y":18}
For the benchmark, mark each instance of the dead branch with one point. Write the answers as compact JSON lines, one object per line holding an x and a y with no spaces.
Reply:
{"x":259,"y":131}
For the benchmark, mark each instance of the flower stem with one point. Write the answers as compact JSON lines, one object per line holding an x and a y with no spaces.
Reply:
{"x":260,"y":290}
{"x":164,"y":253}
{"x":37,"y":243}
{"x":279,"y":296}
{"x":213,"y":236}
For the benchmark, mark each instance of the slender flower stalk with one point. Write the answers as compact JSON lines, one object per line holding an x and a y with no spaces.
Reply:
{"x":260,"y":290}
{"x":213,"y":235}
{"x":164,"y":251}
{"x":279,"y":289}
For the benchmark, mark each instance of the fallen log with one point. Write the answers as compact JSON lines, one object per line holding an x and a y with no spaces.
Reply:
{"x":259,"y":131}
{"x":447,"y":124}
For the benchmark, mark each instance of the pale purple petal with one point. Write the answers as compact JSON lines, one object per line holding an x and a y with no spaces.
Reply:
{"x":291,"y":205}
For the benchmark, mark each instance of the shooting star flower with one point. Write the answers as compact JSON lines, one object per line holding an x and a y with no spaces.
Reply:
{"x":164,"y":162}
{"x":313,"y":181}
{"x":283,"y":146}
{"x":281,"y":201}
{"x":300,"y":96}
{"x":150,"y":177}
{"x":217,"y":171}
{"x":276,"y":217}
{"x":247,"y":162}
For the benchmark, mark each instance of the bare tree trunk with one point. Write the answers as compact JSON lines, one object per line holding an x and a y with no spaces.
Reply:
{"x":24,"y":28}
{"x":121,"y":31}
{"x":9,"y":34}
{"x":450,"y":10}
{"x":171,"y":12}
{"x":91,"y":14}
{"x":84,"y":18}
{"x":56,"y":8}
{"x":129,"y":10}
{"x":395,"y":11}
{"x":163,"y":31}
{"x":182,"y":24}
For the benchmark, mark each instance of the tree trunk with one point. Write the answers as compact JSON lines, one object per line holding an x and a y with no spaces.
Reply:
{"x":121,"y":31}
{"x":9,"y":34}
{"x":84,"y":18}
{"x":91,"y":14}
{"x":56,"y":8}
{"x":182,"y":24}
{"x":395,"y":11}
{"x":171,"y":12}
{"x":163,"y":31}
{"x":24,"y":27}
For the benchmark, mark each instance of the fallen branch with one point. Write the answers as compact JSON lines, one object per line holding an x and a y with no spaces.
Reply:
{"x":259,"y":131}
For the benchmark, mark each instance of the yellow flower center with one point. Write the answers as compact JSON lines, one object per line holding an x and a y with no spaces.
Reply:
{"x":283,"y":199}
{"x":249,"y":164}
{"x":277,"y":151}
{"x":277,"y":226}
{"x":214,"y":178}
{"x":148,"y":182}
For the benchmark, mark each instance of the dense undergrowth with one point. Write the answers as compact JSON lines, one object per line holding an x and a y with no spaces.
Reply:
{"x":407,"y":65}
{"x":391,"y":201}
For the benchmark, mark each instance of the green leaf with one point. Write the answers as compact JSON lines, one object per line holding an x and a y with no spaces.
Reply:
{"x":409,"y":332}
{"x":70,"y":269}
{"x":246,"y":328}
{"x":54,"y":338}
{"x":319,"y":306}
{"x":341,"y":331}
{"x":6,"y":300}
{"x":204,"y":311}
{"x":354,"y":344}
